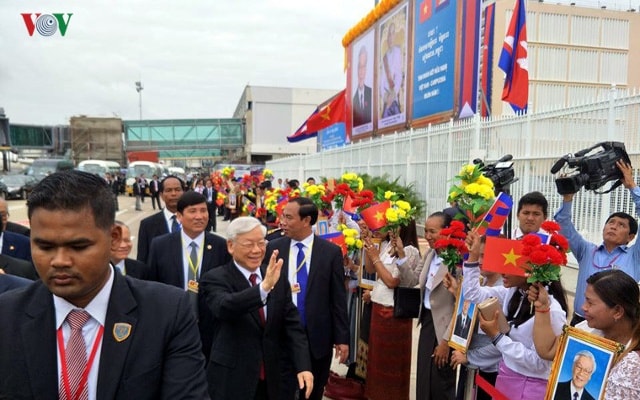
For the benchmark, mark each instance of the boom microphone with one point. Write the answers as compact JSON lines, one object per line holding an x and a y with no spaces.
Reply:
{"x":558,"y":165}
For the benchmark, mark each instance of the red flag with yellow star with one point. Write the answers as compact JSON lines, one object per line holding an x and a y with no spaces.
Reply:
{"x":374,"y":216}
{"x":504,"y":256}
{"x":324,"y":116}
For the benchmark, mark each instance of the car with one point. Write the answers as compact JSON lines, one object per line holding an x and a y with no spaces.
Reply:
{"x":17,"y":186}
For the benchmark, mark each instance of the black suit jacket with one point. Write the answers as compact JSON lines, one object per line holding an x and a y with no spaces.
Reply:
{"x":166,"y":266}
{"x":462,"y":331}
{"x":16,"y":245}
{"x":150,"y":227}
{"x":563,"y":392}
{"x":362,"y":115}
{"x":18,"y":267}
{"x":325,"y":301}
{"x":136,"y":269}
{"x":18,"y":228}
{"x":161,"y":358}
{"x":9,"y":282}
{"x":240,"y":341}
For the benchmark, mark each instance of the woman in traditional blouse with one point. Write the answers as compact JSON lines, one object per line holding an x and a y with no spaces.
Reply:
{"x":611,"y":310}
{"x":522,"y":373}
{"x":389,"y":355}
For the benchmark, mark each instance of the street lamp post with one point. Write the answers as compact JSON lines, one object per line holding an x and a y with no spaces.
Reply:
{"x":139,"y":90}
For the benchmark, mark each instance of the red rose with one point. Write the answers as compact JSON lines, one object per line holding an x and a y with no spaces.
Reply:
{"x":446,"y":231}
{"x":457,"y":225}
{"x":531,"y":240}
{"x":538,"y":257}
{"x":550,"y":226}
{"x":560,"y":241}
{"x":441,"y":243}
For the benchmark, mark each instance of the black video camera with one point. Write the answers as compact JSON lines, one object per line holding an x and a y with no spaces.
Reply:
{"x":591,"y":171}
{"x":500,"y":172}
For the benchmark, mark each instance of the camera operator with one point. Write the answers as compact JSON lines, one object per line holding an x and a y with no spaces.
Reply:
{"x":619,"y":229}
{"x":532,"y":212}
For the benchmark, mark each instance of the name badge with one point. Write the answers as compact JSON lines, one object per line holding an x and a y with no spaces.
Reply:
{"x":192,"y":286}
{"x":295,"y":288}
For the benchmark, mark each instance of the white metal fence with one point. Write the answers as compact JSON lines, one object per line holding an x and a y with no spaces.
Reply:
{"x":429,"y":157}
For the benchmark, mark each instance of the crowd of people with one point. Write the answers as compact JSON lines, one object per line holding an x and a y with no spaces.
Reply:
{"x":260,"y":312}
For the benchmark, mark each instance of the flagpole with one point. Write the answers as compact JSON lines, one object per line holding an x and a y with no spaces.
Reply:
{"x":481,"y":95}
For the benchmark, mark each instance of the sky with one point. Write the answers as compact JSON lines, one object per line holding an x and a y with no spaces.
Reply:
{"x":193,"y":57}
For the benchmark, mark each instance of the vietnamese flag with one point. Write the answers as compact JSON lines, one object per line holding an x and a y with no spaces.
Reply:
{"x":504,"y":256}
{"x":374,"y":216}
{"x":336,"y":238}
{"x":322,"y":117}
{"x":425,"y":10}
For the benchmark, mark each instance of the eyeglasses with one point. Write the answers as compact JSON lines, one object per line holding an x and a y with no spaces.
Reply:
{"x":580,"y":369}
{"x":250,"y":245}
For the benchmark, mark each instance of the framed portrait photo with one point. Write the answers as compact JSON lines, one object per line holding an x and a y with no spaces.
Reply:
{"x":464,"y":318}
{"x":581,"y":365}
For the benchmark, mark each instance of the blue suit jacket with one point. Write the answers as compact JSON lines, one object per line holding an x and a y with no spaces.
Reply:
{"x":160,"y":359}
{"x":16,"y":245}
{"x":9,"y":282}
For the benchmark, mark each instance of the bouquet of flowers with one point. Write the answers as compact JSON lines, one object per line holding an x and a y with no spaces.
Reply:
{"x":452,"y":248}
{"x":317,"y":194}
{"x":545,"y":260}
{"x":220,"y":198}
{"x":474,"y":194}
{"x":351,"y":238}
{"x":227,"y":172}
{"x":354,"y":182}
{"x":399,"y":213}
{"x":338,"y":195}
{"x":267,"y":174}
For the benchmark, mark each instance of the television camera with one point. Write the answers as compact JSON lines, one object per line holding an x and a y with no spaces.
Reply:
{"x":591,"y":171}
{"x":501,"y":172}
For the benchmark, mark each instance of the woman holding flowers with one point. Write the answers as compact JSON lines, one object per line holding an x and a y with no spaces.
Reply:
{"x":612,"y":311}
{"x":522,"y":373}
{"x":389,"y":356}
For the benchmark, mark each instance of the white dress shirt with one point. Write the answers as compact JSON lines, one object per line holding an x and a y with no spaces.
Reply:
{"x":293,"y":256}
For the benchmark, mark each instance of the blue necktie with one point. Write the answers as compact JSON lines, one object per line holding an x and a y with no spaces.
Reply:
{"x":301,"y":268}
{"x":175,"y":226}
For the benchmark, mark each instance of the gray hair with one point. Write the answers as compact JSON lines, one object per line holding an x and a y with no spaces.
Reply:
{"x":586,"y":354}
{"x":243,"y":225}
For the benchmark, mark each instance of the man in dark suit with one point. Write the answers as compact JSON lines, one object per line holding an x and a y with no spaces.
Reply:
{"x":463,"y":321}
{"x":171,"y":188}
{"x":16,"y":245}
{"x":362,"y":97}
{"x":140,"y":353}
{"x":15,"y":266}
{"x":584,"y":365}
{"x":181,"y":258}
{"x":120,"y":256}
{"x":254,"y":318}
{"x":10,"y":282}
{"x":316,"y":274}
{"x":211,"y":194}
{"x":154,"y":190}
{"x":114,"y":185}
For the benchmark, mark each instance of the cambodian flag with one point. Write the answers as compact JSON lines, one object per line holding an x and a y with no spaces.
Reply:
{"x":497,"y":215}
{"x":513,"y":60}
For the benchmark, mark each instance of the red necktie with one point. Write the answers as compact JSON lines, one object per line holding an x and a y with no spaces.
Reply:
{"x":252,"y":279}
{"x":76,"y":353}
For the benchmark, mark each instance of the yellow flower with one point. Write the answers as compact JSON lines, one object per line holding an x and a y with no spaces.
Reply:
{"x":392,"y":215}
{"x":359,"y":243}
{"x":467,"y":169}
{"x":360,"y":185}
{"x":472,"y":188}
{"x":349,"y":241}
{"x":483,"y":180}
{"x":401,"y":213}
{"x":388,"y":194}
{"x":341,"y":227}
{"x":350,"y":232}
{"x":403,"y":205}
{"x":349,"y":176}
{"x":486,"y":192}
